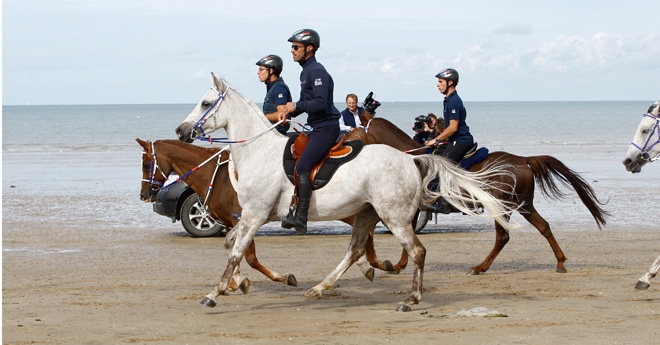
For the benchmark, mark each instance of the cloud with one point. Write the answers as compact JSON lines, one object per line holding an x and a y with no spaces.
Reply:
{"x":600,"y":52}
{"x":516,"y":29}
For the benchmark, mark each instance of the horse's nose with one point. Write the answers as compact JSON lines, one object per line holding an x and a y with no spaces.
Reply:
{"x":626,"y":162}
{"x":183,"y":133}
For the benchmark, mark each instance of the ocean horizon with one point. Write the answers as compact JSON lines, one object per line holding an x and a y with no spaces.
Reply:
{"x":83,"y":159}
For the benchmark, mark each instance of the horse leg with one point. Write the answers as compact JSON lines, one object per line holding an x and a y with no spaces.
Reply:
{"x":236,"y":282}
{"x":365,"y":267}
{"x":362,"y":263}
{"x":251,"y":258}
{"x":370,"y":250}
{"x":501,"y":239}
{"x":406,"y":236}
{"x":238,"y":240}
{"x":355,"y":250}
{"x":645,"y":281}
{"x":544,"y":228}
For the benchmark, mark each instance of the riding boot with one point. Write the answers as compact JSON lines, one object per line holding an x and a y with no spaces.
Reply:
{"x":304,"y":194}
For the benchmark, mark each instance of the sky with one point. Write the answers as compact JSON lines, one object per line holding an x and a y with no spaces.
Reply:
{"x":153,"y":52}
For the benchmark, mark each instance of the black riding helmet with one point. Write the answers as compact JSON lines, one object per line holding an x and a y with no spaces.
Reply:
{"x":272,"y":61}
{"x":307,"y":37}
{"x":448,"y":74}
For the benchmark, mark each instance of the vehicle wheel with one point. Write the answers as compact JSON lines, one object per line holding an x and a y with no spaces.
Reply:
{"x":422,"y":219}
{"x":196,"y":219}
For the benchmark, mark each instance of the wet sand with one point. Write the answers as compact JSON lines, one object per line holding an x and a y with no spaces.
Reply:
{"x":99,"y":283}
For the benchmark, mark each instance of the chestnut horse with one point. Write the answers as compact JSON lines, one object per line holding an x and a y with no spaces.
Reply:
{"x":544,"y":170}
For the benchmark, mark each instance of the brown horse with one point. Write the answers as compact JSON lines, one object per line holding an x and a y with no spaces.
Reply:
{"x":528,"y":171}
{"x":162,"y":157}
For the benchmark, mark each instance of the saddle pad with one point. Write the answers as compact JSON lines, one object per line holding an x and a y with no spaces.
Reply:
{"x":329,"y":166}
{"x":477,"y":157}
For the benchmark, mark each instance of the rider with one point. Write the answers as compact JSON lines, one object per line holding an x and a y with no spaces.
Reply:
{"x":316,"y":99}
{"x":277,"y":92}
{"x":457,"y":132}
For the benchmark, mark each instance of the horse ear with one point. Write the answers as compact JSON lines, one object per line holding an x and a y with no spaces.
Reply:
{"x":219,"y":84}
{"x":144,"y":144}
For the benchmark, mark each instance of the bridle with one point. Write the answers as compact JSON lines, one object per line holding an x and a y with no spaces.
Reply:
{"x":649,"y":144}
{"x":154,"y":185}
{"x":198,"y":129}
{"x":157,"y":186}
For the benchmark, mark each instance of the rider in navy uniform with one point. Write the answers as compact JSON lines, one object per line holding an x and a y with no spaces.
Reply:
{"x":457,"y":132}
{"x":316,"y":99}
{"x":277,"y":92}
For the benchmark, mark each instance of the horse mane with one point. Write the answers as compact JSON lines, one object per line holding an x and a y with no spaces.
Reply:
{"x":198,"y":149}
{"x":247,"y":100}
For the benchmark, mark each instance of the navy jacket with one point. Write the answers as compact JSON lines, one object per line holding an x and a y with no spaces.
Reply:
{"x":349,"y":118}
{"x":316,"y":95}
{"x":454,"y":110}
{"x":277,"y":93}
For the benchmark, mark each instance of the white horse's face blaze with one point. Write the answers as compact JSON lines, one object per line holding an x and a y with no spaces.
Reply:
{"x":645,"y":137}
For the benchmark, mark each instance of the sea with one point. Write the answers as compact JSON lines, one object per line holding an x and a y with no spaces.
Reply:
{"x":83,"y":164}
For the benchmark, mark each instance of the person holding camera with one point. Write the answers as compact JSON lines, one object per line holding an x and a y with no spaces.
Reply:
{"x":350,"y":117}
{"x":424,"y":128}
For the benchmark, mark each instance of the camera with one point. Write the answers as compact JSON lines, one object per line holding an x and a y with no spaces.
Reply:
{"x":419,"y":122}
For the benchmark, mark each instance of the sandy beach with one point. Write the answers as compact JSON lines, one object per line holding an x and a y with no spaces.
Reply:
{"x":97,"y":284}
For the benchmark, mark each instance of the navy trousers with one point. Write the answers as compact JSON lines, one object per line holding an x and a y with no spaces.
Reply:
{"x":455,"y":151}
{"x":320,"y":142}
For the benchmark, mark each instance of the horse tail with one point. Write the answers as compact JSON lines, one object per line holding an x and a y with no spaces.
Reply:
{"x":464,"y":189}
{"x":547,"y":169}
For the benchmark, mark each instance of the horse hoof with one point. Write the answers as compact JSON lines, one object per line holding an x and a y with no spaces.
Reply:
{"x":208,"y":302}
{"x":389,"y":267}
{"x":370,"y":274}
{"x":245,"y":286}
{"x":474,"y":272}
{"x":642,"y":285}
{"x":291,"y":280}
{"x":560,"y":270}
{"x":403,"y":307}
{"x":311,"y":293}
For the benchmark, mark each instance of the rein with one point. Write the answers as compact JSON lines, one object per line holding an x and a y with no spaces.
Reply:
{"x":644,"y":155}
{"x":182,"y":177}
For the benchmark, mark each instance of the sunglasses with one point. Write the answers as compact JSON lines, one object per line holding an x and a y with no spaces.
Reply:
{"x":295,"y":47}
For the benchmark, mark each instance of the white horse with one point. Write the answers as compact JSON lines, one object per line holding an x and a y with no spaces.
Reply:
{"x":644,"y":149}
{"x":380,"y":183}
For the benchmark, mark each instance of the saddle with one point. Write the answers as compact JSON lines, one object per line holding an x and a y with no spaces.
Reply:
{"x":341,"y":152}
{"x":473,"y":156}
{"x":470,"y":158}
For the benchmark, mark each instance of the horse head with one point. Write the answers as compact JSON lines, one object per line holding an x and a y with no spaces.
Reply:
{"x":196,"y":124}
{"x":644,"y":147}
{"x":154,"y":175}
{"x":215,"y":110}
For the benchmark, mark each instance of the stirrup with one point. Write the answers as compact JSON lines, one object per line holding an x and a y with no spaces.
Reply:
{"x":288,"y":221}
